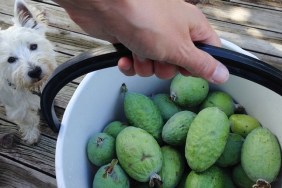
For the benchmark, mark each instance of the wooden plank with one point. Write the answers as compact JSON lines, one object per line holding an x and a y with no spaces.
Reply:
{"x":251,"y":47}
{"x":247,"y":15}
{"x":218,"y":9}
{"x":266,"y":45}
{"x":34,"y":166}
{"x":40,"y":156}
{"x":272,"y":60}
{"x":269,"y":4}
{"x":64,"y":41}
{"x":65,"y":94}
{"x":11,"y":127}
{"x":265,"y":3}
{"x":56,"y":16}
{"x":47,"y":1}
{"x":14,"y":174}
{"x":250,"y":38}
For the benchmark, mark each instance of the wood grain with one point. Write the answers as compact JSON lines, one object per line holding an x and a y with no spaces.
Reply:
{"x":268,"y":4}
{"x":14,"y":174}
{"x":254,"y":25}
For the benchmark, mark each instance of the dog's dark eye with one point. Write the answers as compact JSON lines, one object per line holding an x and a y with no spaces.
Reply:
{"x":12,"y":59}
{"x":33,"y":47}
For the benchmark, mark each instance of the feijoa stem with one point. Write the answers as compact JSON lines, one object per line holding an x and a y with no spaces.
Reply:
{"x":110,"y":168}
{"x":260,"y":183}
{"x":99,"y":141}
{"x":239,"y":109}
{"x":155,"y":179}
{"x":173,"y":96}
{"x":123,"y":88}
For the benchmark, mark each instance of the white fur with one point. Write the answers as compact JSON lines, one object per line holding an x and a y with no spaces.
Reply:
{"x":17,"y":87}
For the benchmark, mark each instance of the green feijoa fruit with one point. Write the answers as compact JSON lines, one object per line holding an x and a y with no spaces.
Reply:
{"x":210,"y":178}
{"x":141,"y":112}
{"x":232,"y":151}
{"x":172,"y":167}
{"x":243,"y":124}
{"x":188,"y":90}
{"x":166,"y":106}
{"x":220,"y":99}
{"x":111,"y":175}
{"x":261,"y":155}
{"x":100,"y":149}
{"x":114,"y":127}
{"x":240,"y":178}
{"x":139,"y":154}
{"x":206,"y":138}
{"x":175,"y":129}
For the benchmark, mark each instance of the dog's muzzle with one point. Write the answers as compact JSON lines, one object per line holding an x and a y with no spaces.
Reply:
{"x":35,"y":73}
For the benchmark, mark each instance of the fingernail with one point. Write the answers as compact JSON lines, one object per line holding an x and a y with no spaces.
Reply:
{"x":220,"y":75}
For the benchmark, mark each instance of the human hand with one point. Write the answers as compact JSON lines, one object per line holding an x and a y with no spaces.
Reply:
{"x":159,"y":33}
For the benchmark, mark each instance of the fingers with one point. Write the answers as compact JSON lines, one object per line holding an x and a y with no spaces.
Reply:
{"x":195,"y":62}
{"x":146,"y":67}
{"x":125,"y":65}
{"x":184,"y":72}
{"x":178,"y":50}
{"x":143,"y":67}
{"x":165,"y":70}
{"x":211,"y":38}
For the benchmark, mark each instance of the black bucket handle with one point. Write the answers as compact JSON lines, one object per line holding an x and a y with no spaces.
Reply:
{"x":107,"y":56}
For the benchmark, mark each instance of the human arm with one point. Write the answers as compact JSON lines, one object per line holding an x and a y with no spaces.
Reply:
{"x":160,"y":33}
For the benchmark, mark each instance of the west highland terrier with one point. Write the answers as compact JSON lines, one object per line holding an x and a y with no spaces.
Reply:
{"x":26,"y":60}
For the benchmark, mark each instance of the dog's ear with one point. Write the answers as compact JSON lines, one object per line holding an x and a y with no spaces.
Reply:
{"x":30,"y":17}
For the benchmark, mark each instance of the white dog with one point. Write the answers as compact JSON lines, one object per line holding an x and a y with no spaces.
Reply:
{"x":27,"y":58}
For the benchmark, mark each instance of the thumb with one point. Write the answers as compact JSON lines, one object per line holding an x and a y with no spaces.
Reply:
{"x":201,"y":64}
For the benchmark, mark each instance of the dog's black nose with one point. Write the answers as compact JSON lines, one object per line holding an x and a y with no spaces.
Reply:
{"x":35,"y":72}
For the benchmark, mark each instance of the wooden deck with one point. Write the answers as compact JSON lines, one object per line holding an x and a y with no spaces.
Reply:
{"x":255,"y":25}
